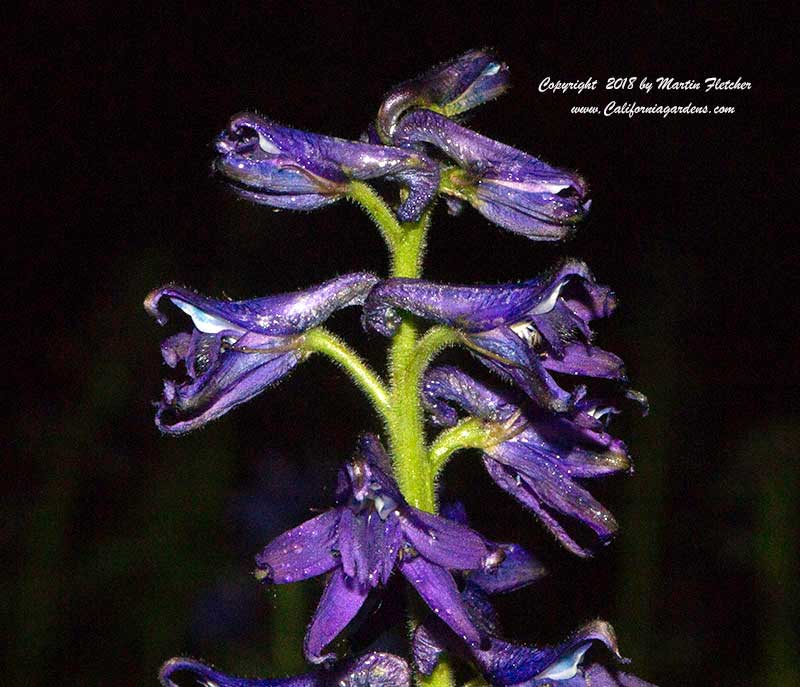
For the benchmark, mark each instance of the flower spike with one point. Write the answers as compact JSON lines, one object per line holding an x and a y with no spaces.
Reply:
{"x":236,"y":349}
{"x":510,"y":188}
{"x":291,"y":169}
{"x":450,"y":88}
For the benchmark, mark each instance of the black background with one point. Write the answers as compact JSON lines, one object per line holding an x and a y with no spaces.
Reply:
{"x":126,"y":547}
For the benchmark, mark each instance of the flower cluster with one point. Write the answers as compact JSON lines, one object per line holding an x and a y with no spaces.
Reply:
{"x":540,"y":434}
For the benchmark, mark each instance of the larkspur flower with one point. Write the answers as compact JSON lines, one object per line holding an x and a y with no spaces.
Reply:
{"x":510,"y":188}
{"x":370,"y":670}
{"x":450,"y":88}
{"x":236,"y":349}
{"x":543,"y":455}
{"x":370,"y":531}
{"x":521,"y":331}
{"x":505,"y":664}
{"x":286,"y":168}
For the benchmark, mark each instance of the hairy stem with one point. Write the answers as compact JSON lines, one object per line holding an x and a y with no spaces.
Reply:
{"x":429,"y":345}
{"x":379,"y":212}
{"x":320,"y":340}
{"x":408,"y":358}
{"x":469,"y":433}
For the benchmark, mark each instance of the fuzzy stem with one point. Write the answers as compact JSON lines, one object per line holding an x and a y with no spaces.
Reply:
{"x":469,"y":433}
{"x":408,"y":358}
{"x":320,"y":340}
{"x":379,"y":212}
{"x":405,"y":423}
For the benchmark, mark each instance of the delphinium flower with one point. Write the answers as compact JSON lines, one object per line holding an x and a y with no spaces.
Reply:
{"x":370,"y":670}
{"x":236,"y":349}
{"x":510,"y":188}
{"x":286,"y":168}
{"x":522,"y":331}
{"x":542,"y":456}
{"x":451,"y":88}
{"x":541,"y":436}
{"x":369,"y":532}
{"x":506,"y":664}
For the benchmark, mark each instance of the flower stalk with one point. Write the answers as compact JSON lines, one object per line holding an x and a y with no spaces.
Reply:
{"x":321,"y":340}
{"x":540,"y":436}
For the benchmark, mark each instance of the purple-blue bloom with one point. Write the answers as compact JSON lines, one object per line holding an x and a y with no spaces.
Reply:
{"x":370,"y":670}
{"x":543,"y":455}
{"x":524,"y":332}
{"x":510,"y":188}
{"x":286,"y":168}
{"x":450,"y":88}
{"x":236,"y":349}
{"x":505,"y":664}
{"x":360,"y":541}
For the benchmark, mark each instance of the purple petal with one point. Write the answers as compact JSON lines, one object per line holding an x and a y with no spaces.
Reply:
{"x":452,"y":88}
{"x":514,"y":664}
{"x":366,"y":478}
{"x":426,"y":648}
{"x":455,"y":511}
{"x":503,"y":352}
{"x":473,"y":309}
{"x":374,"y":669}
{"x":282,"y":314}
{"x":438,"y":589}
{"x":369,"y":545}
{"x":303,"y":552}
{"x":446,"y":543}
{"x":276,"y":165}
{"x":445,"y":386}
{"x":301,"y":202}
{"x":581,"y":451}
{"x":518,"y":569}
{"x":236,"y":378}
{"x":543,"y":486}
{"x":340,"y":602}
{"x":589,"y":361}
{"x":206,"y":675}
{"x":513,"y":189}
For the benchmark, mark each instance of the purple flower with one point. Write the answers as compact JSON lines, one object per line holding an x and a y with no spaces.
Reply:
{"x":544,"y":454}
{"x":524,"y":332}
{"x":369,"y":531}
{"x":510,"y":188}
{"x":236,"y":349}
{"x":372,"y":670}
{"x":450,"y":88}
{"x":505,"y":664}
{"x":286,"y":168}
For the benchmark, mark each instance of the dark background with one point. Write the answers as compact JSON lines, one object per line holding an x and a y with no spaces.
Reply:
{"x":125,"y":547}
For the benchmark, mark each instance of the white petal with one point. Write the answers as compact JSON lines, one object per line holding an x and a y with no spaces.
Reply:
{"x":205,"y":322}
{"x":266,"y":145}
{"x":550,"y":302}
{"x":566,"y":666}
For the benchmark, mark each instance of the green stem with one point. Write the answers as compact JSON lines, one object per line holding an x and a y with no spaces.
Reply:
{"x":405,"y":423}
{"x":469,"y":433}
{"x":408,"y":358}
{"x":431,"y":343}
{"x":380,"y":213}
{"x":320,"y":340}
